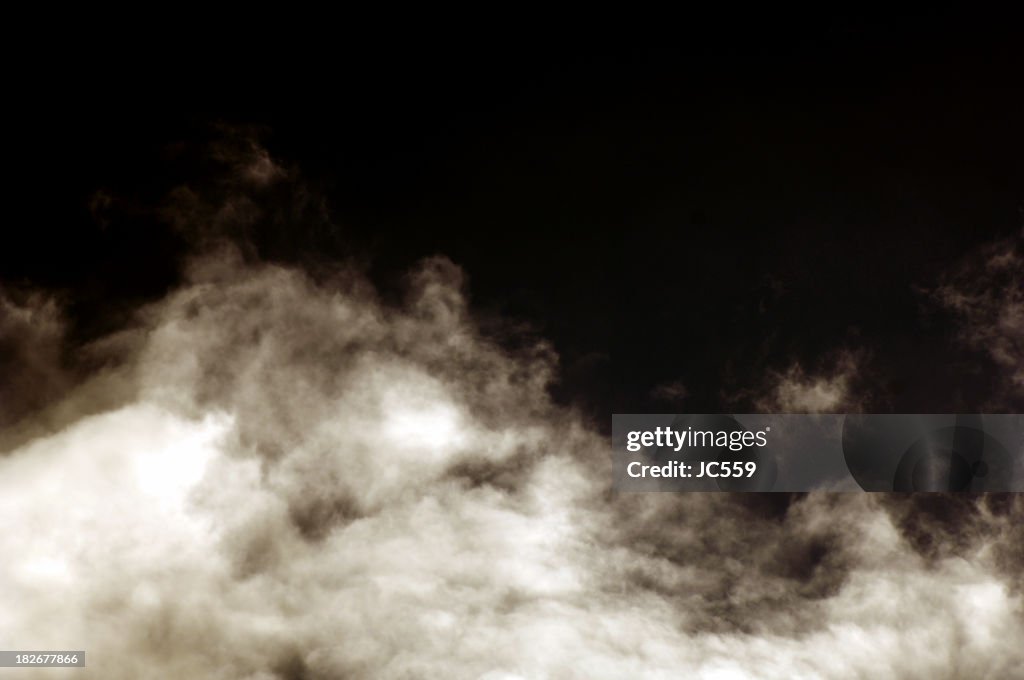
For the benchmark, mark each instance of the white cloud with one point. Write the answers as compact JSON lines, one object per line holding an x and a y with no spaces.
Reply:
{"x":829,"y":391}
{"x":296,"y":480}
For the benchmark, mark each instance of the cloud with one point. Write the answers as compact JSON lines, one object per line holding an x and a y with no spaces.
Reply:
{"x":31,"y":336}
{"x":248,"y":161}
{"x":311,"y":483}
{"x":247,"y":198}
{"x":295,"y":451}
{"x":673,"y":392}
{"x":986,"y":292}
{"x":830,"y":390}
{"x":297,"y":479}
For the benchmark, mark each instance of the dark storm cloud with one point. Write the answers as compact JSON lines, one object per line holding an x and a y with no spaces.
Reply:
{"x":301,"y":480}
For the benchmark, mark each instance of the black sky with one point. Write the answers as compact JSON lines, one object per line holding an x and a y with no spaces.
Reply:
{"x":703,"y":211}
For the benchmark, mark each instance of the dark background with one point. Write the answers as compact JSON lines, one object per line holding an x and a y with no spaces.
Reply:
{"x":702,"y":208}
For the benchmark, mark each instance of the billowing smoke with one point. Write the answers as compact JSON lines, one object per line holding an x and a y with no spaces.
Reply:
{"x":270,"y":474}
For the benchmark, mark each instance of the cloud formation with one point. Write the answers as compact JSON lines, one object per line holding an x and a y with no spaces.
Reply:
{"x":673,"y":392}
{"x":830,"y":390}
{"x":31,"y":343}
{"x":986,"y":291}
{"x":291,"y":478}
